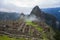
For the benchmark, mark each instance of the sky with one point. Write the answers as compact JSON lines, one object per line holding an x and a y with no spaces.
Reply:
{"x":26,"y":6}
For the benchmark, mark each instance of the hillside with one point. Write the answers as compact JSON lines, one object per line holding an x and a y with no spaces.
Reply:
{"x":25,"y":30}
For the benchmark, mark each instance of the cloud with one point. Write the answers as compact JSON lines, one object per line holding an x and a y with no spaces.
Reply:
{"x":31,"y":3}
{"x":50,"y":3}
{"x":59,"y":11}
{"x":27,"y":5}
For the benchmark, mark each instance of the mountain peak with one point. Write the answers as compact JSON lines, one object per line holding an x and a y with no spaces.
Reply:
{"x":37,"y":7}
{"x":36,"y":11}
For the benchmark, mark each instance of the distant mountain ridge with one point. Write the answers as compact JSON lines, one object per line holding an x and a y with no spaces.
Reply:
{"x":9,"y":16}
{"x":53,"y":11}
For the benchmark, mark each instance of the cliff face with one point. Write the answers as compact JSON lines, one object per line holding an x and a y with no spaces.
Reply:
{"x":48,"y":18}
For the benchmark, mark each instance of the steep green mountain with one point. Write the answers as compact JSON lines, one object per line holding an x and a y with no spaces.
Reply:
{"x":48,"y":18}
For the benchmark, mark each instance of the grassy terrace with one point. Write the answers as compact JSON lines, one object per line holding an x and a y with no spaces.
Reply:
{"x":34,"y":25}
{"x":5,"y":37}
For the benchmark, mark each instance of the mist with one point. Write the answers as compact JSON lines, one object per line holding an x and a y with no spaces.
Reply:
{"x":30,"y":18}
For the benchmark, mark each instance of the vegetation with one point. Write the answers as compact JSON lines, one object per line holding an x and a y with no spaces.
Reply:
{"x":57,"y":34}
{"x":40,"y":32}
{"x":34,"y":25}
{"x":5,"y":37}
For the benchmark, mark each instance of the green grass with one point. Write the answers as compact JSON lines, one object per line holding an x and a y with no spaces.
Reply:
{"x":5,"y":37}
{"x":39,"y":28}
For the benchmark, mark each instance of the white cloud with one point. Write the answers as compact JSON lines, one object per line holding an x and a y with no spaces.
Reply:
{"x":31,"y":3}
{"x":7,"y":10}
{"x":17,"y":4}
{"x":21,"y":3}
{"x":59,"y":11}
